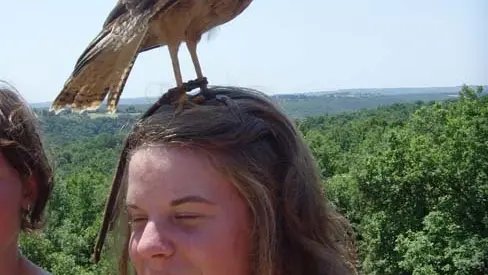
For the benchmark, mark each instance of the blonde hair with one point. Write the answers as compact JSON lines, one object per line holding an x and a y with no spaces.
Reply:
{"x":252,"y":142}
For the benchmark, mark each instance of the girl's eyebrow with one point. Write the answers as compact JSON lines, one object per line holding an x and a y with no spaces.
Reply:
{"x":191,"y":199}
{"x":132,"y":206}
{"x":180,"y":201}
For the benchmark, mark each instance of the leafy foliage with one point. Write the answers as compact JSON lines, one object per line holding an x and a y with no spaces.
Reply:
{"x":411,"y":177}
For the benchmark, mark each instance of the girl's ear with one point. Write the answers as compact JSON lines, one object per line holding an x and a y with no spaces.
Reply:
{"x":29,"y":193}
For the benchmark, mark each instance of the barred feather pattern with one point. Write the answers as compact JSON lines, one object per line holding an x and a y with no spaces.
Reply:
{"x":103,"y":68}
{"x":133,"y":27}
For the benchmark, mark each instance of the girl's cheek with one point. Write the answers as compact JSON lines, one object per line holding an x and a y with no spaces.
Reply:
{"x":10,"y":207}
{"x":133,"y":253}
{"x":9,"y":221}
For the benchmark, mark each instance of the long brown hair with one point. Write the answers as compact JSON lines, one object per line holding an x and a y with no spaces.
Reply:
{"x":21,"y":145}
{"x":251,"y":140}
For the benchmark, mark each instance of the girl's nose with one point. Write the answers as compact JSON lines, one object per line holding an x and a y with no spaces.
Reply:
{"x":155,"y":243}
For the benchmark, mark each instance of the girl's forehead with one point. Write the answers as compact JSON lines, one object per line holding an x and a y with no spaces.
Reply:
{"x":171,"y":173}
{"x":167,"y":156}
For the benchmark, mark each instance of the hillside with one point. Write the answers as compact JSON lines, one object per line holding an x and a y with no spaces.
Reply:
{"x":301,"y":105}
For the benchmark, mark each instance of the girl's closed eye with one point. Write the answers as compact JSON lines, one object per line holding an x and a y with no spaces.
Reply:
{"x":134,"y":215}
{"x":187,"y":216}
{"x":190,"y":219}
{"x":137,"y":218}
{"x":137,"y":221}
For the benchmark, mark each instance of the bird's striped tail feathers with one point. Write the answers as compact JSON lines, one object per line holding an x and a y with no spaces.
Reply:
{"x":103,"y":76}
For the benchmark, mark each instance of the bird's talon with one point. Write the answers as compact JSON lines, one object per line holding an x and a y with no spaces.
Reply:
{"x":178,"y":95}
{"x":198,"y":99}
{"x":193,"y":84}
{"x":202,"y":81}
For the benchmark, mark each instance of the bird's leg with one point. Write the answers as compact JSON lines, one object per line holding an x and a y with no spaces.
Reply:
{"x":201,"y":81}
{"x":173,"y":53}
{"x":179,"y":92}
{"x":191,"y":44}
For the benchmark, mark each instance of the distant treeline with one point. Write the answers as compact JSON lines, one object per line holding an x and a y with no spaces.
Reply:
{"x":300,"y":105}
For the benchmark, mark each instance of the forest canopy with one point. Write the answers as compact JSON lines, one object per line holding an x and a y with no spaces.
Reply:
{"x":411,"y":177}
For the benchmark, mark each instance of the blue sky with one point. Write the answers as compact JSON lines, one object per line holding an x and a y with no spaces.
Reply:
{"x":277,"y":46}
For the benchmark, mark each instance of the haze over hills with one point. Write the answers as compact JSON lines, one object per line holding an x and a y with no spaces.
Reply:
{"x":396,"y":91}
{"x":318,"y":103}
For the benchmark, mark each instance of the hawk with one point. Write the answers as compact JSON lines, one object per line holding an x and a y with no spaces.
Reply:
{"x":136,"y":26}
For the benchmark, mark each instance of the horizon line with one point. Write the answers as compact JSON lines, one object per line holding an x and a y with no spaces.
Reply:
{"x":316,"y":91}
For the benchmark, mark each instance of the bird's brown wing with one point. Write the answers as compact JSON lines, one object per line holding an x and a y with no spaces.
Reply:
{"x":152,"y":41}
{"x":92,"y":49}
{"x":116,"y":12}
{"x":104,"y":65}
{"x":143,"y":6}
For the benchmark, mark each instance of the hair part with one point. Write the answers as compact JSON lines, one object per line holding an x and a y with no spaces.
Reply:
{"x":251,"y":141}
{"x":21,"y":145}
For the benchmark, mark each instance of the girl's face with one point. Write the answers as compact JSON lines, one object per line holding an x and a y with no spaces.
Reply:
{"x":12,"y":201}
{"x":186,"y":218}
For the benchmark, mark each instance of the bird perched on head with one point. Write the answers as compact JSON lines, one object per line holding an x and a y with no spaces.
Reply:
{"x":135,"y":26}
